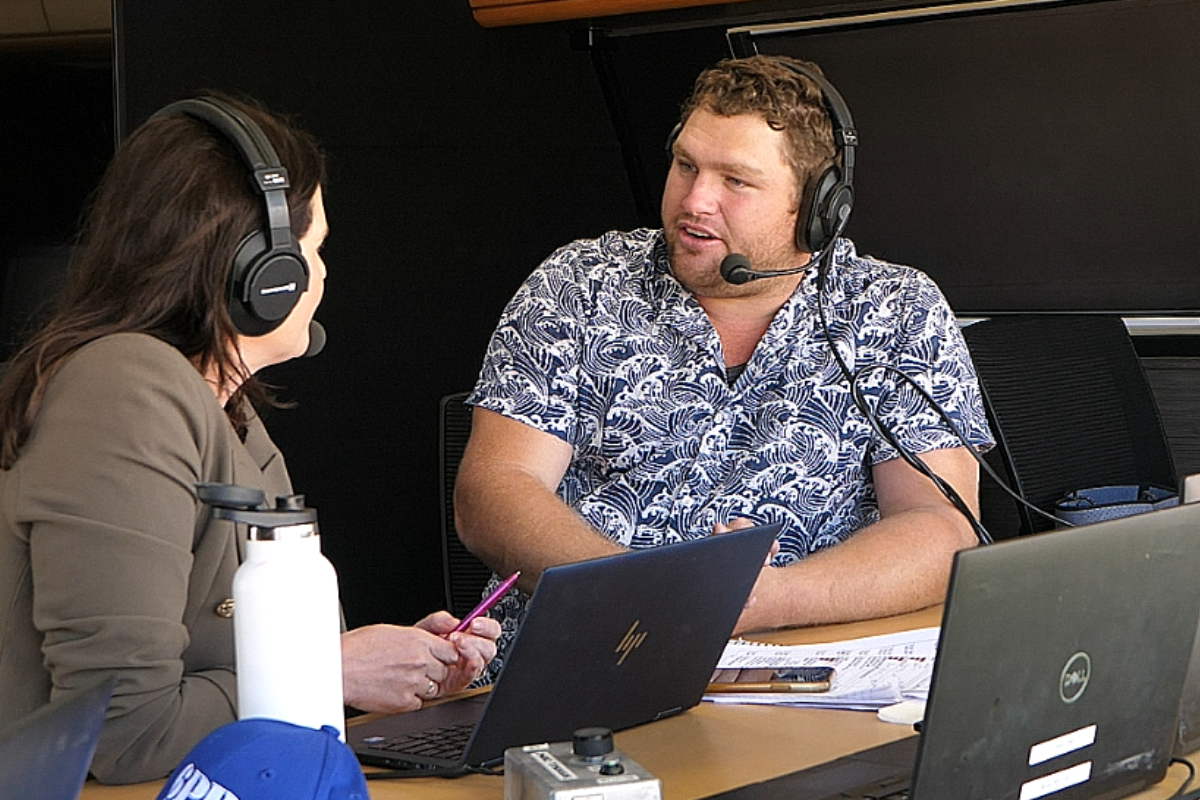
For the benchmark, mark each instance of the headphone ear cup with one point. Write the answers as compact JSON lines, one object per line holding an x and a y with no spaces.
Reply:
{"x":264,"y":284}
{"x":811,"y":235}
{"x":825,"y":211}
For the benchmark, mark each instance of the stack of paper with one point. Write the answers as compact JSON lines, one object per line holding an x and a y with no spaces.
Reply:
{"x":869,"y":673}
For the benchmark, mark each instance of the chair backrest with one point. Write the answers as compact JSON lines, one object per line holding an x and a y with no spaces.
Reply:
{"x":465,"y":575}
{"x":1070,"y":407}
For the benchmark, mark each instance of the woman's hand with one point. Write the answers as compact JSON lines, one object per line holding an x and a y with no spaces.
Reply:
{"x":392,"y":669}
{"x":476,"y":646}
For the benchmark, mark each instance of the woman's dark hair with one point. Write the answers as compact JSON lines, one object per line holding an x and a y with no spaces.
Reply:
{"x":154,"y":255}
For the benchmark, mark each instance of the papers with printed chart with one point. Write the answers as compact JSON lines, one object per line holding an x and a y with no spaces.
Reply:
{"x":869,"y":673}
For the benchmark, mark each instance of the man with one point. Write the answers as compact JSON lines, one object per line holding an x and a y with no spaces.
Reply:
{"x":631,"y":396}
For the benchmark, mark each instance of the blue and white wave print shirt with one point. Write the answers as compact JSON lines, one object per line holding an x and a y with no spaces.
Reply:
{"x":604,"y":349}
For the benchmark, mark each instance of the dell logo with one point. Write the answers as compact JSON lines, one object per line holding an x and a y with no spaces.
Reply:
{"x":631,"y":642}
{"x":1075,"y":677}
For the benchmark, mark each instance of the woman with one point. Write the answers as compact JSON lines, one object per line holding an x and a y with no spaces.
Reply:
{"x":139,"y":386}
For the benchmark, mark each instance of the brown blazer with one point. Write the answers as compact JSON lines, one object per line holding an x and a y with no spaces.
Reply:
{"x":110,"y":566}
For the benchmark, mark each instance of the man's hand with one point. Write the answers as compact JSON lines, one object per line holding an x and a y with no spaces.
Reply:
{"x":746,"y":620}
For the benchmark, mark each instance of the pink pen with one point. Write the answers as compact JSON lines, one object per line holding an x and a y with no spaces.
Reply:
{"x":487,"y":602}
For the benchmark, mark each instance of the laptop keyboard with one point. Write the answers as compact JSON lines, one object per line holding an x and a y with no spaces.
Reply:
{"x":444,"y":743}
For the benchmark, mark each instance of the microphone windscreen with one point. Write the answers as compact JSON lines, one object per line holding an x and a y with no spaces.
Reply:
{"x":316,"y":339}
{"x":735,"y":269}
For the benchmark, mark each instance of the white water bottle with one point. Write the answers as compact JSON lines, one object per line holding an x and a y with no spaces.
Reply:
{"x":286,"y":619}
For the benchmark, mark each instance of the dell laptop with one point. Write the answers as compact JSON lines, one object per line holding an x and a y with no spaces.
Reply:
{"x":1058,"y":675}
{"x":46,"y":754}
{"x":611,"y":642}
{"x":1188,"y":731}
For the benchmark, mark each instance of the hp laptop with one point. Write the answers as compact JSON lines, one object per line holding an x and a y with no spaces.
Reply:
{"x":46,"y":754}
{"x":1058,"y":675}
{"x":610,"y":642}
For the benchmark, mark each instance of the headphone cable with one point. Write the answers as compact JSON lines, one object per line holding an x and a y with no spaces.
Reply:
{"x":825,"y":258}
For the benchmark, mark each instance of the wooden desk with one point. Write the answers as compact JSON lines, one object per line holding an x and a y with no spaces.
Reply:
{"x":709,"y":748}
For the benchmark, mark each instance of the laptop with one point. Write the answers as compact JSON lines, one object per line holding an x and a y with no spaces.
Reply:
{"x":46,"y":754}
{"x":1187,"y":738}
{"x":1058,"y":675}
{"x":1188,"y":732}
{"x":610,"y":642}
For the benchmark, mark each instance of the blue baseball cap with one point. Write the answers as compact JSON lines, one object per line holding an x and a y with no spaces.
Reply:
{"x":265,"y":759}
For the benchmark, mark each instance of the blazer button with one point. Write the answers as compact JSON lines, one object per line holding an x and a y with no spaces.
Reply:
{"x":224,"y":608}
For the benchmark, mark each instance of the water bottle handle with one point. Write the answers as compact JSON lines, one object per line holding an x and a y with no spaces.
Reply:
{"x":249,"y":506}
{"x":224,"y":495}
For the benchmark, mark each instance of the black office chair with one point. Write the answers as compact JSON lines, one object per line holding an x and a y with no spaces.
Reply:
{"x":1070,"y":407}
{"x":464,"y":574}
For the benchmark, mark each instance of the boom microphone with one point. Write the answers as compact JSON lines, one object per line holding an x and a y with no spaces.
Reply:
{"x":735,"y":269}
{"x":316,"y":339}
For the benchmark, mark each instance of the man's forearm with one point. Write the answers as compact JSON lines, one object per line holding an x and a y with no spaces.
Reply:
{"x":512,"y":522}
{"x":899,"y":564}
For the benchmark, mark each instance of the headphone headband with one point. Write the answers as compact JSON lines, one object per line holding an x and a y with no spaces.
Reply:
{"x":269,"y":272}
{"x":829,"y":197}
{"x":845,"y":135}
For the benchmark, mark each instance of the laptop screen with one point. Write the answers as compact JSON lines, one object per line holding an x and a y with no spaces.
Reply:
{"x":46,"y":754}
{"x":1061,"y":662}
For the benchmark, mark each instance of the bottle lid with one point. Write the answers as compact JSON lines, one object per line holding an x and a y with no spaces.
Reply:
{"x":288,"y":519}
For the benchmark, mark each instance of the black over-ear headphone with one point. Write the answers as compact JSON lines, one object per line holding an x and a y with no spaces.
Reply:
{"x":828,"y":198}
{"x":269,"y":272}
